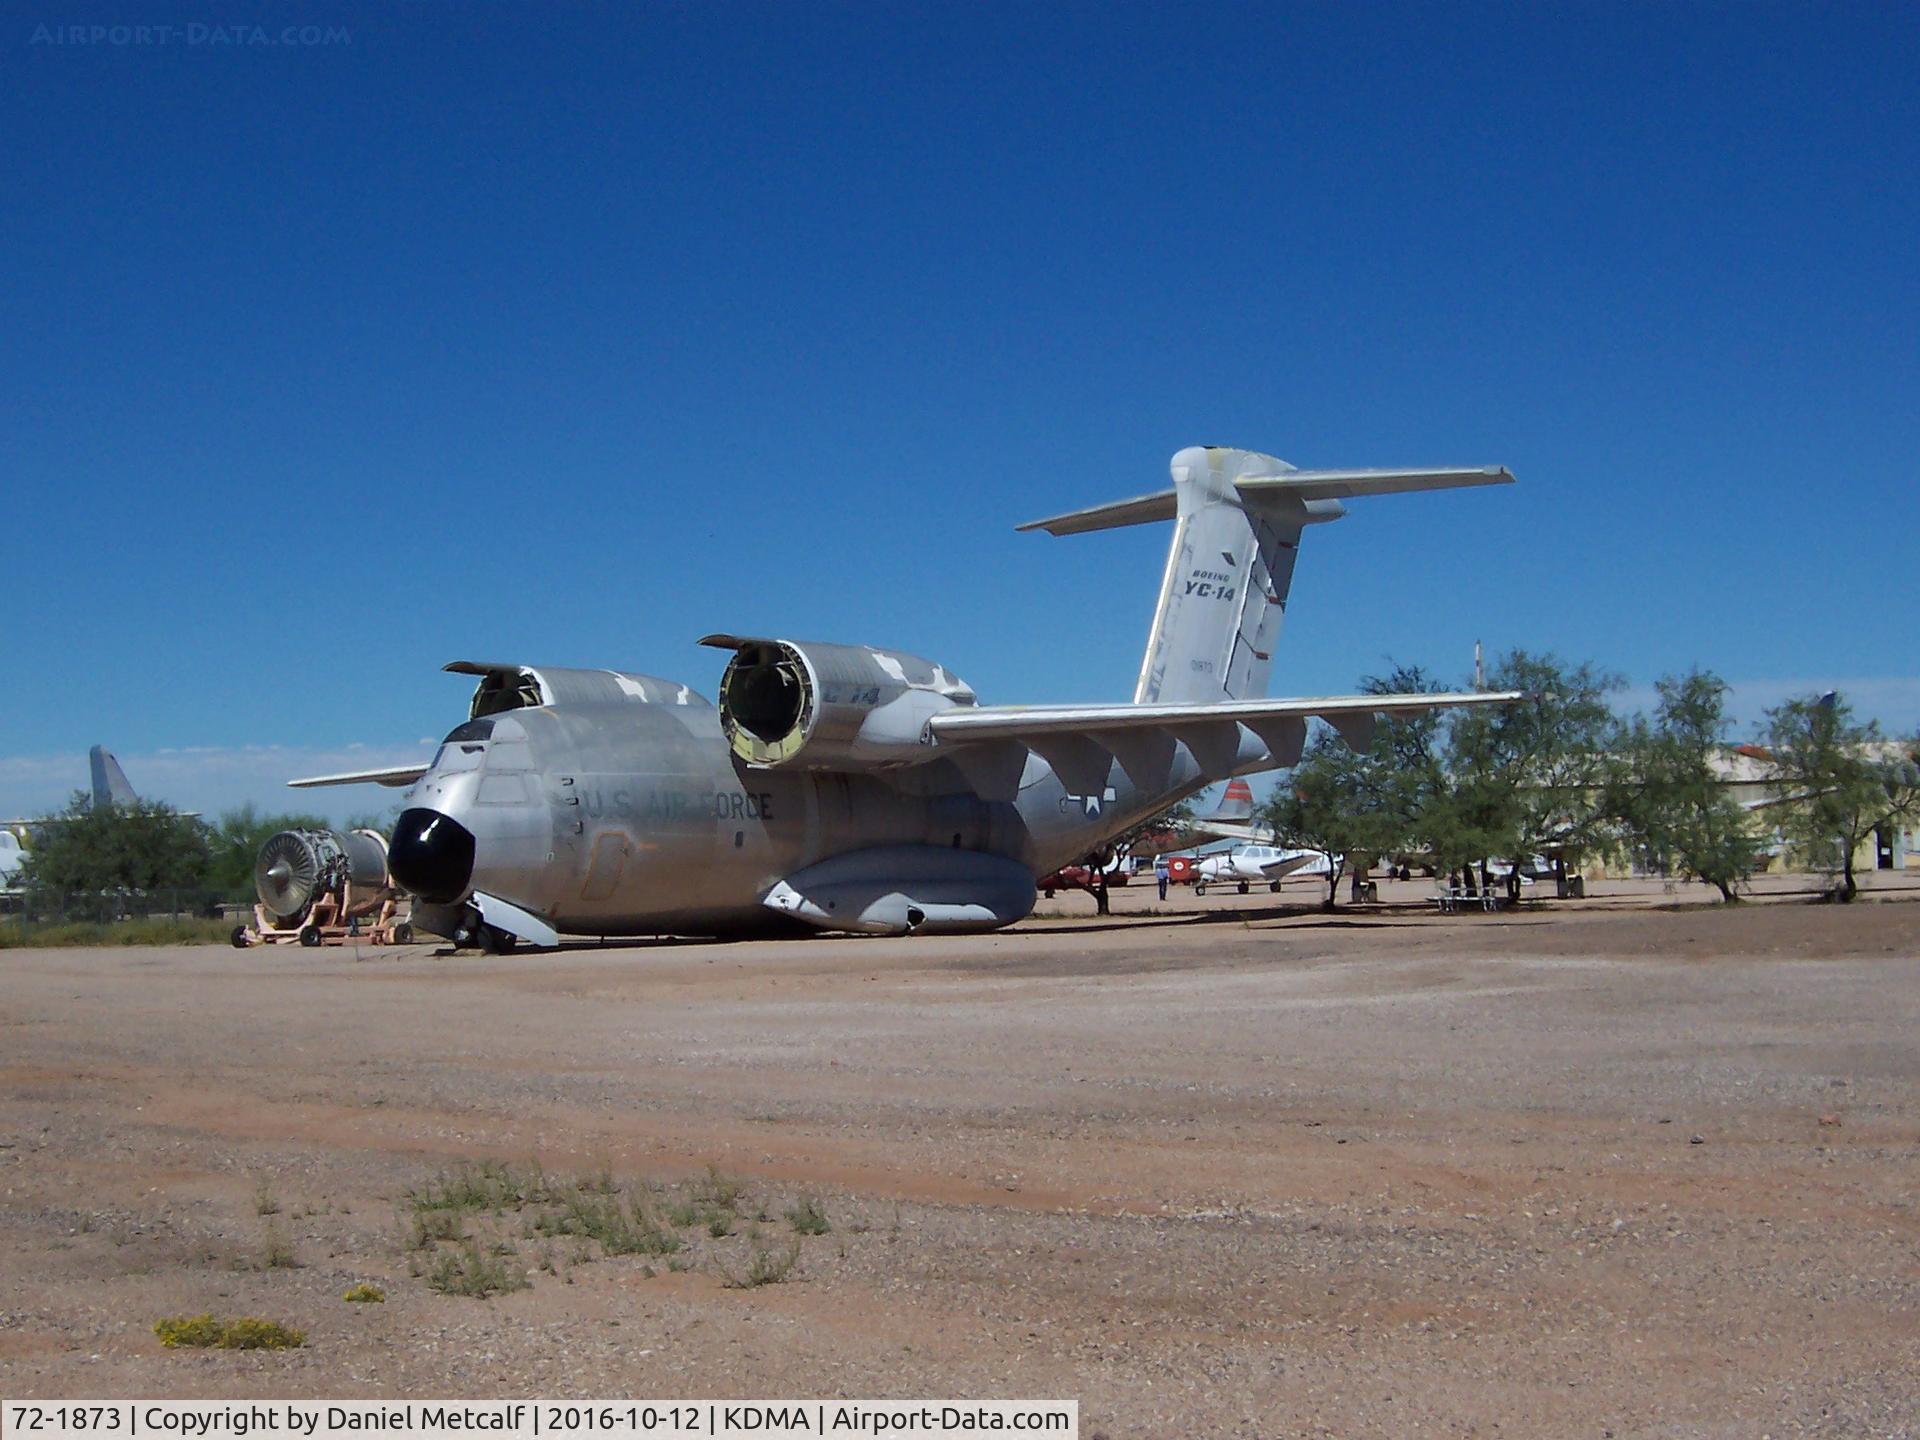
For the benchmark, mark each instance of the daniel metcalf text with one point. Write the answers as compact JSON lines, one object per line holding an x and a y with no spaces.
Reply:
{"x":533,"y":1419}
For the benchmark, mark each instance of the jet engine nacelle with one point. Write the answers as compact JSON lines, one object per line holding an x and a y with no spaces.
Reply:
{"x":830,"y":707}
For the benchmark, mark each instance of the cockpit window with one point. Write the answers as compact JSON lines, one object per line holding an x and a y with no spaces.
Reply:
{"x":481,"y":729}
{"x":457,"y":755}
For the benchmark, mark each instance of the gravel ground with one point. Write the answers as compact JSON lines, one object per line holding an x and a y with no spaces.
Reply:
{"x":1243,"y":1170}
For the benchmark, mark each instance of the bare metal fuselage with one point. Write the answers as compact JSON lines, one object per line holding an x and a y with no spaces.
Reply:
{"x":631,"y":817}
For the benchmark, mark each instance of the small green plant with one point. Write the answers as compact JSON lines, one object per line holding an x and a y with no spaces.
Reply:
{"x":277,"y":1254}
{"x":619,"y":1228}
{"x":206,"y":1332}
{"x":719,"y":1190}
{"x":469,"y":1270}
{"x":719,"y":1227}
{"x":252,"y":1333}
{"x":265,"y":1202}
{"x":764,"y":1267}
{"x":484,"y":1186}
{"x":197,"y":1332}
{"x":365,"y":1294}
{"x":806,"y":1216}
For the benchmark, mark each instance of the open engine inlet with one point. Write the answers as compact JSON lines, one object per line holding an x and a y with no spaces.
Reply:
{"x":787,"y":702}
{"x":766,"y":703}
{"x":298,"y":867}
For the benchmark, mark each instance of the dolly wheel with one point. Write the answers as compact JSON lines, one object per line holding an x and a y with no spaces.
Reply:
{"x":239,"y":937}
{"x":310,"y":936}
{"x":403,"y":934}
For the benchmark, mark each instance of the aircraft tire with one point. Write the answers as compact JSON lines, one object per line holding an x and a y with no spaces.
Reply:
{"x":310,"y":936}
{"x":496,"y":941}
{"x":1199,"y":889}
{"x":1243,"y":887}
{"x":1274,"y":886}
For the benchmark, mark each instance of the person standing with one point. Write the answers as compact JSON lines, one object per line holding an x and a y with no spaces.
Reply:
{"x":1161,"y":872}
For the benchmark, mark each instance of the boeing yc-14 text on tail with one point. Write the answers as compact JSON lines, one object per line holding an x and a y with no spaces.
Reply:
{"x":844,"y":787}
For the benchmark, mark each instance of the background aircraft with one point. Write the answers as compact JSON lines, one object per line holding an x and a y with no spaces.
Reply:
{"x":846,"y":787}
{"x":1248,"y":865}
{"x":109,"y":788}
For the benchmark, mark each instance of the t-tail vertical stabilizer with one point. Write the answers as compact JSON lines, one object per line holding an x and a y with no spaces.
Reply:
{"x":1238,"y":516}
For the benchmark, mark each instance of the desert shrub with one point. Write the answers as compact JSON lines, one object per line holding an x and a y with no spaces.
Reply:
{"x":806,"y":1216}
{"x":764,"y":1267}
{"x":489,"y":1185}
{"x":207,"y":1332}
{"x":469,"y":1270}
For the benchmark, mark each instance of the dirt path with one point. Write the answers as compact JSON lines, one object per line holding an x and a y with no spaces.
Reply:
{"x":1252,"y":1171}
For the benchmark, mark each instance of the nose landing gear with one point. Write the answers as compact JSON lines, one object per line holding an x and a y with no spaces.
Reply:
{"x":473,"y":933}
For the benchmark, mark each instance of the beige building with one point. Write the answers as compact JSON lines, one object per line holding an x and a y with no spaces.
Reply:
{"x":1744,"y":771}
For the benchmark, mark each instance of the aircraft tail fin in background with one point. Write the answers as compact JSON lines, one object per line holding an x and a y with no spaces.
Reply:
{"x":1236,"y":804}
{"x":110,"y":787}
{"x":1238,"y":516}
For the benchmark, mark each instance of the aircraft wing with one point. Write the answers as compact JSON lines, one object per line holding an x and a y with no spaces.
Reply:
{"x":1081,"y":742}
{"x":1020,"y":722}
{"x":397,"y":776}
{"x":1287,"y":864}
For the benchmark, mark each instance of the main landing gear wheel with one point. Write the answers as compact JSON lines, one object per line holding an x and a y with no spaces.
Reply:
{"x":1199,"y":889}
{"x":1243,"y":887}
{"x":1274,"y":886}
{"x":496,"y":941}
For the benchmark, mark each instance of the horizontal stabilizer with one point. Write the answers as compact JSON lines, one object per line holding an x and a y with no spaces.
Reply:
{"x":1284,"y":481}
{"x":1349,"y":484}
{"x":1137,"y":511}
{"x":396,"y":776}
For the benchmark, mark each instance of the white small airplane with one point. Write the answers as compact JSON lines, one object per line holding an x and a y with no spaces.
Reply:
{"x":1245,"y":866}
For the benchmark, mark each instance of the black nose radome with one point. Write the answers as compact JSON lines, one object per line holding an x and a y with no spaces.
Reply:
{"x":431,"y":855}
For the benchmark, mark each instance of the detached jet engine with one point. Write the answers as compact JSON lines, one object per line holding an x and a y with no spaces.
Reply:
{"x":852,"y":788}
{"x":321,"y":887}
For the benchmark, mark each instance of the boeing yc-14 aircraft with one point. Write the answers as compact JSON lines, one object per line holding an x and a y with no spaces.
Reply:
{"x":851,"y":788}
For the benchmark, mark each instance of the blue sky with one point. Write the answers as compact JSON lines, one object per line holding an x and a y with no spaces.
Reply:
{"x":570,"y":334}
